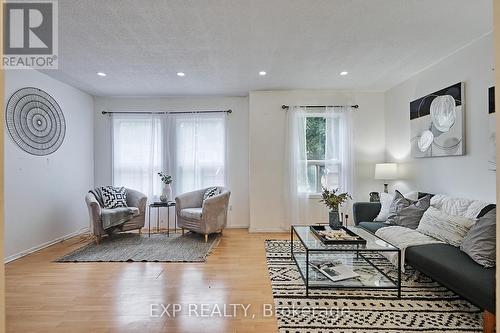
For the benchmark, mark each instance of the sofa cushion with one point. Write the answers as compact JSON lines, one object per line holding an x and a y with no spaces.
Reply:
{"x":457,"y":271}
{"x":480,"y":241}
{"x":486,"y":209}
{"x":191,"y":213}
{"x":458,"y":206}
{"x":447,"y":228}
{"x":385,"y":201}
{"x":410,"y":216}
{"x":373,"y":226}
{"x":398,"y":203}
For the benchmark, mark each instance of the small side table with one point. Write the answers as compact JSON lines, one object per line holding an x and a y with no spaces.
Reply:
{"x":159,"y":205}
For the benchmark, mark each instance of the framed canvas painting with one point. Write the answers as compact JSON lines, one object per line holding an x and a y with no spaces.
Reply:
{"x":437,"y":123}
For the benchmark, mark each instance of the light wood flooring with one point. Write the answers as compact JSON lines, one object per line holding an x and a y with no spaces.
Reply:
{"x":44,"y":296}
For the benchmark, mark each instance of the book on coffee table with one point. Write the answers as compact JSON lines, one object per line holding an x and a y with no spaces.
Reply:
{"x":335,"y":271}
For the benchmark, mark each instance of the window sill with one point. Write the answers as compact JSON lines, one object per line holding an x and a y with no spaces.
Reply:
{"x":311,"y":195}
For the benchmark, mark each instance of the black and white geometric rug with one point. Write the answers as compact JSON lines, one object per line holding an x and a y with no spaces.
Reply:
{"x":424,"y":306}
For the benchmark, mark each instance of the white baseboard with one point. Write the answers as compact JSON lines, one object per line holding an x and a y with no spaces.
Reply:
{"x":44,"y":245}
{"x":256,"y":230}
{"x":236,"y":227}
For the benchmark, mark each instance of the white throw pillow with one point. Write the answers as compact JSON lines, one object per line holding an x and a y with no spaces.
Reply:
{"x":447,"y":228}
{"x":386,"y":201}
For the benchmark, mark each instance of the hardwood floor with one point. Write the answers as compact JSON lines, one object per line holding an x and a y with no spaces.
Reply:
{"x":43,"y":296}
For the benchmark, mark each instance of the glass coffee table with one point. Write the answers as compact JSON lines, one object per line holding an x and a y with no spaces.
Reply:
{"x":365,"y":260}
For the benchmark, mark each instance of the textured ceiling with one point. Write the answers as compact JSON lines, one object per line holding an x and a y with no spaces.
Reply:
{"x":221,"y":45}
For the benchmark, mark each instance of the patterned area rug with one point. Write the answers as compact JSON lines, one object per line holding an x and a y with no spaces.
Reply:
{"x":424,"y":306}
{"x":134,"y":247}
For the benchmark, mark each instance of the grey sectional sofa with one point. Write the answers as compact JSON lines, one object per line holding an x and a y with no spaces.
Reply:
{"x":443,"y":263}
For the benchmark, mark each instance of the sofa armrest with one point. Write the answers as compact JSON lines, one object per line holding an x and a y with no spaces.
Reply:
{"x":136,"y":199}
{"x":94,"y":213}
{"x":192,"y":199}
{"x":365,"y":211}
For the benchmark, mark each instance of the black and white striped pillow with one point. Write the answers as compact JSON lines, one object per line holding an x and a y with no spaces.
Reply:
{"x":114,"y":197}
{"x":211,"y":192}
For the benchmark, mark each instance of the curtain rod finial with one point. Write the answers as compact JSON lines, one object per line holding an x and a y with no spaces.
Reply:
{"x":284,"y":107}
{"x":229,"y":111}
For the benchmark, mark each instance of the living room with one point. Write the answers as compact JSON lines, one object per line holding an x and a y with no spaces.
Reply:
{"x":242,"y":166}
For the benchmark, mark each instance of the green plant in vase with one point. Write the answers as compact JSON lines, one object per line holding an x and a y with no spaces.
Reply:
{"x":333,"y":200}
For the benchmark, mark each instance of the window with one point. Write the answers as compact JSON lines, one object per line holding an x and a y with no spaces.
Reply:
{"x":200,"y":152}
{"x":190,"y":147}
{"x":136,"y":152}
{"x":321,"y":153}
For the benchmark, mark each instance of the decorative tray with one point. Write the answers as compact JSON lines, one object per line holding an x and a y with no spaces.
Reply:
{"x":349,"y":238}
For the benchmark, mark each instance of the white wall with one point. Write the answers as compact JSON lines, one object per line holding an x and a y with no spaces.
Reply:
{"x":465,"y":176}
{"x":267,"y":143}
{"x":44,"y":196}
{"x":237,"y":140}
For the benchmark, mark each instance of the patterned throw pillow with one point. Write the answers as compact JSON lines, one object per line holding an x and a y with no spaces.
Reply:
{"x":114,"y":197}
{"x":447,"y":228}
{"x":211,"y":192}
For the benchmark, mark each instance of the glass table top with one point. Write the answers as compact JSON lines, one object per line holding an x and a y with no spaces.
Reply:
{"x":312,"y":242}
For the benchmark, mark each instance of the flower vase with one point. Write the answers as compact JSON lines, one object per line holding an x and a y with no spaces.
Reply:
{"x":166,"y":194}
{"x":334,"y":220}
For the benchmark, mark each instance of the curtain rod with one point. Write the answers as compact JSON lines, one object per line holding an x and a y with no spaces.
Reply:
{"x":168,"y":112}
{"x":285,"y":107}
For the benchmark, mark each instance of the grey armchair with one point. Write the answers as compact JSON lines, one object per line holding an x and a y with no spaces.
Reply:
{"x":136,"y":221}
{"x":202,"y":216}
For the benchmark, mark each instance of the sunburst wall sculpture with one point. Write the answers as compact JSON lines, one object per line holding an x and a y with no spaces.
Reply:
{"x":437,"y":123}
{"x":35,"y":121}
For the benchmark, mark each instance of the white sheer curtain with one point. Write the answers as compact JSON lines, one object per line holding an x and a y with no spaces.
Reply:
{"x":338,"y":149}
{"x":136,"y":152}
{"x":296,"y":183}
{"x":200,"y":151}
{"x":301,"y":174}
{"x":190,"y":147}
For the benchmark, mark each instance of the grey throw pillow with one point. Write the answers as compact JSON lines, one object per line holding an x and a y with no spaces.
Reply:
{"x":398,"y":203}
{"x":409,"y":217}
{"x":479,"y":243}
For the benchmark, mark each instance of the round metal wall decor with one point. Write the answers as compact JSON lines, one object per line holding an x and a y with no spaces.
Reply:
{"x":35,"y":121}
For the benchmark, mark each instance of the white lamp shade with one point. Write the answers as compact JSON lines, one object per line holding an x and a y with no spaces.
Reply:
{"x":386,"y":171}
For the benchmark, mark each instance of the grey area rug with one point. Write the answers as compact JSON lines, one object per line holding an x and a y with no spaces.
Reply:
{"x":134,"y":247}
{"x":424,"y":306}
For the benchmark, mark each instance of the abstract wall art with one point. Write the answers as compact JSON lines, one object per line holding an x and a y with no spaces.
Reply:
{"x":437,"y":123}
{"x":35,"y":121}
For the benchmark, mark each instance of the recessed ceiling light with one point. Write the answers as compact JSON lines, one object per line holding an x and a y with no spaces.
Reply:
{"x":101,"y":74}
{"x":262,"y":73}
{"x":344,"y":73}
{"x":181,"y":74}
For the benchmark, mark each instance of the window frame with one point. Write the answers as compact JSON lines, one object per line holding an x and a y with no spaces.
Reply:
{"x":319,"y":163}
